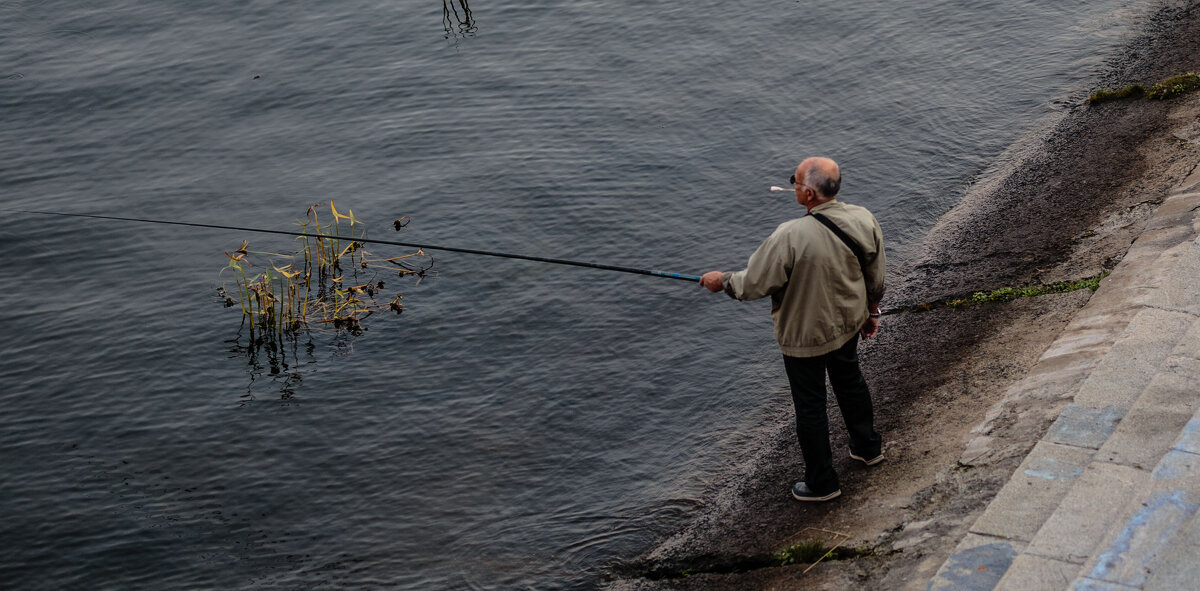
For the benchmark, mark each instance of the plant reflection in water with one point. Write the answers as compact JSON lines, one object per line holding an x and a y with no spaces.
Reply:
{"x":457,"y":20}
{"x":329,"y":287}
{"x":275,"y":358}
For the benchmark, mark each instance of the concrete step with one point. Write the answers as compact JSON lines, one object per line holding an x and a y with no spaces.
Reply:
{"x":1145,"y":536}
{"x":1108,"y":496}
{"x":1052,"y":469}
{"x":1142,"y":548}
{"x":1113,"y":503}
{"x":1094,"y":462}
{"x":1179,"y":568}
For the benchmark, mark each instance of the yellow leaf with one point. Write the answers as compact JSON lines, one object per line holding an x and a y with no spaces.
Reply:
{"x":337,"y":214}
{"x":286,"y":273}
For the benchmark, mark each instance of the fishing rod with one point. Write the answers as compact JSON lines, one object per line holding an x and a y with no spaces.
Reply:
{"x":667,"y":274}
{"x":998,"y":295}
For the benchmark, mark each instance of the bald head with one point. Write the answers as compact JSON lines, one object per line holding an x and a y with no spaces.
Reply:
{"x":821,"y":175}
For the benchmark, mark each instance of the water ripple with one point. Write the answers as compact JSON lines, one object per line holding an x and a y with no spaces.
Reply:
{"x":520,"y":426}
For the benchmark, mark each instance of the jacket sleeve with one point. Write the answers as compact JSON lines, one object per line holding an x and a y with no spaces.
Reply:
{"x":873,"y":274}
{"x":766,"y":272}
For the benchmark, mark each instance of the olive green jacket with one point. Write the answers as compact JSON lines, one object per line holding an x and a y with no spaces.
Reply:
{"x":819,"y":293}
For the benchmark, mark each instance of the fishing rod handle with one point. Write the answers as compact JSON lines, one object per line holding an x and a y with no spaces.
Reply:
{"x":693,"y":278}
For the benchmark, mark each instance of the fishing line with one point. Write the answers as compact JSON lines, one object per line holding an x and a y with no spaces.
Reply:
{"x":667,"y":274}
{"x":1090,"y":283}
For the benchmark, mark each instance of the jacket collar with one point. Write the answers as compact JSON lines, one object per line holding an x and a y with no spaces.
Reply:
{"x":827,"y":205}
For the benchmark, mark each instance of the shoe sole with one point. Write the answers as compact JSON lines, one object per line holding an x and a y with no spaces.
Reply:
{"x":833,"y":495}
{"x":870,"y":462}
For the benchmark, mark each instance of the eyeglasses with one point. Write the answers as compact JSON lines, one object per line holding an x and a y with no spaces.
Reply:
{"x":792,"y":179}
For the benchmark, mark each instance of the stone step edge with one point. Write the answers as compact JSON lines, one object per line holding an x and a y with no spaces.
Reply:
{"x":1067,"y":365}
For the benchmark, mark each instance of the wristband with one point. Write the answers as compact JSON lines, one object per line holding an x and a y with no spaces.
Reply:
{"x":874,"y":315}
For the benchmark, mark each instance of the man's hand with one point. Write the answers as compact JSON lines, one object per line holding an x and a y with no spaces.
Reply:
{"x":712,"y":280}
{"x":870,"y":328}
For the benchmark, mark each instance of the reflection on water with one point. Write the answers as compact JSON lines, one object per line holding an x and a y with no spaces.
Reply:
{"x":275,"y":360}
{"x":457,"y":20}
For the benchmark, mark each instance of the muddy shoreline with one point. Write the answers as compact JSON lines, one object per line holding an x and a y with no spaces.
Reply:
{"x":1063,"y":204}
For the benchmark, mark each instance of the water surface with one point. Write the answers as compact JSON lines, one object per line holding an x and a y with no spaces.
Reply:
{"x":521,"y":425}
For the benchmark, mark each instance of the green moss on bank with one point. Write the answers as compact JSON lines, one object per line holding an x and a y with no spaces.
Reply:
{"x":1169,"y":88}
{"x":1004,"y":294}
{"x":1132,"y":91}
{"x":808,"y":551}
{"x":1008,"y":294}
{"x":1174,"y":86}
{"x":813,"y":550}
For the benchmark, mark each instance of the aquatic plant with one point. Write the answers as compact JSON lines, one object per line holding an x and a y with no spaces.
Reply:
{"x":1174,"y":86}
{"x":332,"y":280}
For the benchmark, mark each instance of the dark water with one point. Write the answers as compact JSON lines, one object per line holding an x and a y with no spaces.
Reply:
{"x":521,"y":425}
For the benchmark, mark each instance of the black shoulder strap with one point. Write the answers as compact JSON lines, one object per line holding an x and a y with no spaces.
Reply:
{"x":854,"y":247}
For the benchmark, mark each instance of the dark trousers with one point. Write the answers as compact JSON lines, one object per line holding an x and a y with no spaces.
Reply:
{"x":807,"y":376}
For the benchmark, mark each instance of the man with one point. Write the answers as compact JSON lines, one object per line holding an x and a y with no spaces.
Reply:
{"x":822,"y":298}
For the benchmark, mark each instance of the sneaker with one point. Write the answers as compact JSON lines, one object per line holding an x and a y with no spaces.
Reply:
{"x":802,"y":493}
{"x":869,"y":462}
